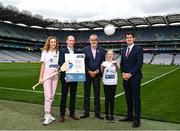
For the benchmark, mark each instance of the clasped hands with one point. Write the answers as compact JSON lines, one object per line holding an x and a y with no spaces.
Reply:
{"x":126,"y":76}
{"x":93,"y":73}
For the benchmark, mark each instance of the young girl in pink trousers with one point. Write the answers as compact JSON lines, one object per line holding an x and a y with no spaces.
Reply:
{"x":49,"y":64}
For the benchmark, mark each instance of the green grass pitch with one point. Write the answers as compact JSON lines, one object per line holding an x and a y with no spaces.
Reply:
{"x":159,"y":92}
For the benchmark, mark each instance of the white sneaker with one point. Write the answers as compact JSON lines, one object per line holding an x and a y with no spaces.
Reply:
{"x":53,"y":118}
{"x":48,"y":119}
{"x":45,"y":117}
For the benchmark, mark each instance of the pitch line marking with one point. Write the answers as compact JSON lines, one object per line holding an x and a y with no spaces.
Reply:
{"x":40,"y":92}
{"x":102,"y":98}
{"x":120,"y":94}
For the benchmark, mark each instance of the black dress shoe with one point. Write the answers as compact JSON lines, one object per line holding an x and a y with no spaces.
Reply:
{"x":126,"y":119}
{"x":99,"y":117}
{"x":111,"y":118}
{"x":136,"y":124}
{"x":106,"y":118}
{"x":84,"y":116}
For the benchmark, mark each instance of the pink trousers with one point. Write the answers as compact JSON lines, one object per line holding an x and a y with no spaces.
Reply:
{"x":50,"y":86}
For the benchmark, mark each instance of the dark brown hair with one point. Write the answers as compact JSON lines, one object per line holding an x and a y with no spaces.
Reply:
{"x":130,"y":33}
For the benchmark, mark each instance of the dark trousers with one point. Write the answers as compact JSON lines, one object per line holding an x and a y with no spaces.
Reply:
{"x":87,"y":91}
{"x":73,"y":89}
{"x":109,"y":92}
{"x":132,"y":92}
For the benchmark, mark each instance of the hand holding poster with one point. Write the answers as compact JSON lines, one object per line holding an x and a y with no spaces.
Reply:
{"x":76,"y":70}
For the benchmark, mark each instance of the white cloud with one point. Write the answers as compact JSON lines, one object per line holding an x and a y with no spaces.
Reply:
{"x":96,"y":9}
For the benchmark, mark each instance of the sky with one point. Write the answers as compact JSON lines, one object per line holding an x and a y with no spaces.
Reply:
{"x":85,"y":10}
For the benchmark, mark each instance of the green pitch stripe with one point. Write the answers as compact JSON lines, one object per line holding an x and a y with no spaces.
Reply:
{"x":80,"y":96}
{"x":147,"y":82}
{"x":41,"y":92}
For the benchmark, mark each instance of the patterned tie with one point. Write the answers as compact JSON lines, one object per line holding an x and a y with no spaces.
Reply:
{"x":127,"y":52}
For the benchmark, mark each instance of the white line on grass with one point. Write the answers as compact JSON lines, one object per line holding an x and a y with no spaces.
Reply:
{"x":102,"y":98}
{"x":120,"y":94}
{"x":41,"y":92}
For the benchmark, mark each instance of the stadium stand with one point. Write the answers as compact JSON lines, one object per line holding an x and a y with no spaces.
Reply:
{"x":18,"y":56}
{"x":148,"y":58}
{"x":21,"y":42}
{"x":165,"y":59}
{"x":177,"y":59}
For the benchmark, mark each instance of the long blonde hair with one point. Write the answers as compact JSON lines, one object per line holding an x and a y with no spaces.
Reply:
{"x":47,"y":44}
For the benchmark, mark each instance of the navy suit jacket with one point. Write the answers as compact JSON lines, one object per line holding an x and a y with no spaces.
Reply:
{"x":91,"y":63}
{"x":133,"y":63}
{"x":62,"y":58}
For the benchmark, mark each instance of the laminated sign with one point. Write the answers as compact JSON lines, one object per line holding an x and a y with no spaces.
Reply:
{"x":76,"y":70}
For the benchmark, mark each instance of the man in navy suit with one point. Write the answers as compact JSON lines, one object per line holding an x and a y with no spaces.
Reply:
{"x":131,"y":64}
{"x":94,"y":56}
{"x":67,"y":85}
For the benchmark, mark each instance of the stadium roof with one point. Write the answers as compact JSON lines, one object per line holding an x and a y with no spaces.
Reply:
{"x":12,"y":14}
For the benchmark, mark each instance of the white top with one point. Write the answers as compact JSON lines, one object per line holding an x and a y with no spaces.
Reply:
{"x":71,"y":50}
{"x":50,"y":59}
{"x":110,"y":73}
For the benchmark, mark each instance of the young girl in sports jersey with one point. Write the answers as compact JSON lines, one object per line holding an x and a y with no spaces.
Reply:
{"x":49,"y":64}
{"x":109,"y":70}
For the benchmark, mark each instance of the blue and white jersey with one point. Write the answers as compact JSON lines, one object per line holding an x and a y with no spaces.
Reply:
{"x":110,"y":73}
{"x":50,"y":59}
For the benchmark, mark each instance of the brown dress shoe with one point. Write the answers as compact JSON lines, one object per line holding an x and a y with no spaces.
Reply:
{"x":61,"y":119}
{"x":74,"y":117}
